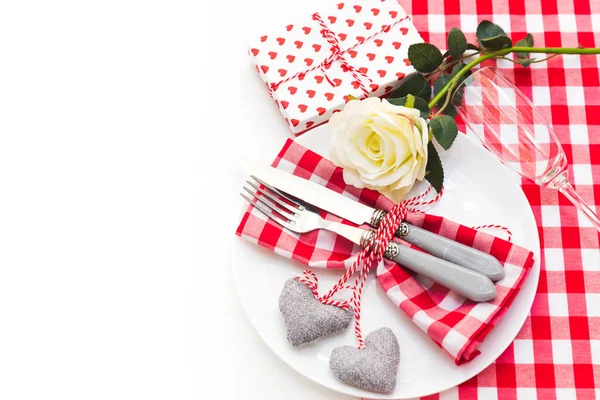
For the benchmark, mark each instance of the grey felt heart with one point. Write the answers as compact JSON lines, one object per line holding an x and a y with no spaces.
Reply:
{"x":374,"y":367}
{"x":306,"y":318}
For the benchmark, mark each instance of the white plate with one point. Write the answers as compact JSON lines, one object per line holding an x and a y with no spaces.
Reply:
{"x":478,"y":190}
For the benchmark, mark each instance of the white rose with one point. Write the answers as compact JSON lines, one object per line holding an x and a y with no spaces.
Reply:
{"x":380,"y":146}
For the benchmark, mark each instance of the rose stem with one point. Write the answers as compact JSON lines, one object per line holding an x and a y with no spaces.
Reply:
{"x":502,"y":52}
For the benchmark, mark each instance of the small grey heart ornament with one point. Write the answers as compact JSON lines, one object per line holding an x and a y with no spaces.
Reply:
{"x":374,"y":367}
{"x":306,"y":318}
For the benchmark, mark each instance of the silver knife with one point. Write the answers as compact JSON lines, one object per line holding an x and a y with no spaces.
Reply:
{"x":358,"y":213}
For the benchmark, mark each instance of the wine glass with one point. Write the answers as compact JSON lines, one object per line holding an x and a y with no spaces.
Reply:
{"x":515,"y":131}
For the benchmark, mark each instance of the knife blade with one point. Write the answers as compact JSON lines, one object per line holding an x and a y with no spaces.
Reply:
{"x":358,"y":213}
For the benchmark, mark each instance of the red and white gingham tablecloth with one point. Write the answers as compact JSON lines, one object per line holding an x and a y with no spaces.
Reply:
{"x":556,"y":355}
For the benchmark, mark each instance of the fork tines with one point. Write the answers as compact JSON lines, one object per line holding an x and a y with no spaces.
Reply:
{"x":272,"y":202}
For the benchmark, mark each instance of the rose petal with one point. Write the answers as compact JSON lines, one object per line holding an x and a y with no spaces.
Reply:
{"x":397,"y":195}
{"x":408,"y":179}
{"x":411,"y":113}
{"x":351,"y":177}
{"x":397,"y":147}
{"x":357,"y":158}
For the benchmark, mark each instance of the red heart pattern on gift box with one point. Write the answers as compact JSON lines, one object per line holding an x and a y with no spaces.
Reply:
{"x":373,"y":35}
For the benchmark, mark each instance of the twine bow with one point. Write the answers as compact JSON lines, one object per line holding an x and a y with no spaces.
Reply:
{"x":367,"y":259}
{"x":337,"y":54}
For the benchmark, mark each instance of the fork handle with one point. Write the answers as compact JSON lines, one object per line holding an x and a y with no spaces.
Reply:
{"x":448,"y":249}
{"x":468,"y":283}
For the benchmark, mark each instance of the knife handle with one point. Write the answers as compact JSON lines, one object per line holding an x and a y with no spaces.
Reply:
{"x":448,"y":249}
{"x":468,"y":283}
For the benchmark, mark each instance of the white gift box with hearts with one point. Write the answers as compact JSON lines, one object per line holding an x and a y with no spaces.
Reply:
{"x":312,"y":66}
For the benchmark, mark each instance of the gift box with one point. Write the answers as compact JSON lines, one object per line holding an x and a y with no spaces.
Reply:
{"x":313,"y":66}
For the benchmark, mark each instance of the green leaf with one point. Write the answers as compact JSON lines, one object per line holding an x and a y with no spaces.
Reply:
{"x":414,"y":84}
{"x":491,"y":36}
{"x":496,"y":42}
{"x":525,"y":61}
{"x":457,"y":43}
{"x":440,"y":82}
{"x":456,"y":68}
{"x":471,"y":46}
{"x":425,"y":57}
{"x":487,"y":29}
{"x":457,"y":97}
{"x":419,"y":104}
{"x":444,"y":130}
{"x":434,"y":170}
{"x":527,"y":41}
{"x":450,"y":110}
{"x":437,"y":87}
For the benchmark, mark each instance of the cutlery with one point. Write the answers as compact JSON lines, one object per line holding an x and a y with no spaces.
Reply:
{"x":335,"y":203}
{"x":296,"y":216}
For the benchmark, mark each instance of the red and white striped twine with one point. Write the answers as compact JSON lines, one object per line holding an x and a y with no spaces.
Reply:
{"x":372,"y":256}
{"x":494,"y":226}
{"x":310,"y":279}
{"x":383,"y":236}
{"x":367,"y":259}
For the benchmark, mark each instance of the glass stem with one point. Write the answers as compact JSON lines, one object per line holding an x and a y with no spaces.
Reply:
{"x":561,"y":183}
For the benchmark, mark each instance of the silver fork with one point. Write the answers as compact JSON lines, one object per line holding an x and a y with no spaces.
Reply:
{"x":293,"y":214}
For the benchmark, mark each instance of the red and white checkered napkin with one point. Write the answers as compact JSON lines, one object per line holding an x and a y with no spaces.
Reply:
{"x":457,"y":325}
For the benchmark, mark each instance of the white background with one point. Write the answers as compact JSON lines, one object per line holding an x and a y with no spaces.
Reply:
{"x":120,"y":125}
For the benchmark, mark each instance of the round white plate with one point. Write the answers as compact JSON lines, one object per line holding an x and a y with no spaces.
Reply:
{"x":478,"y":190}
